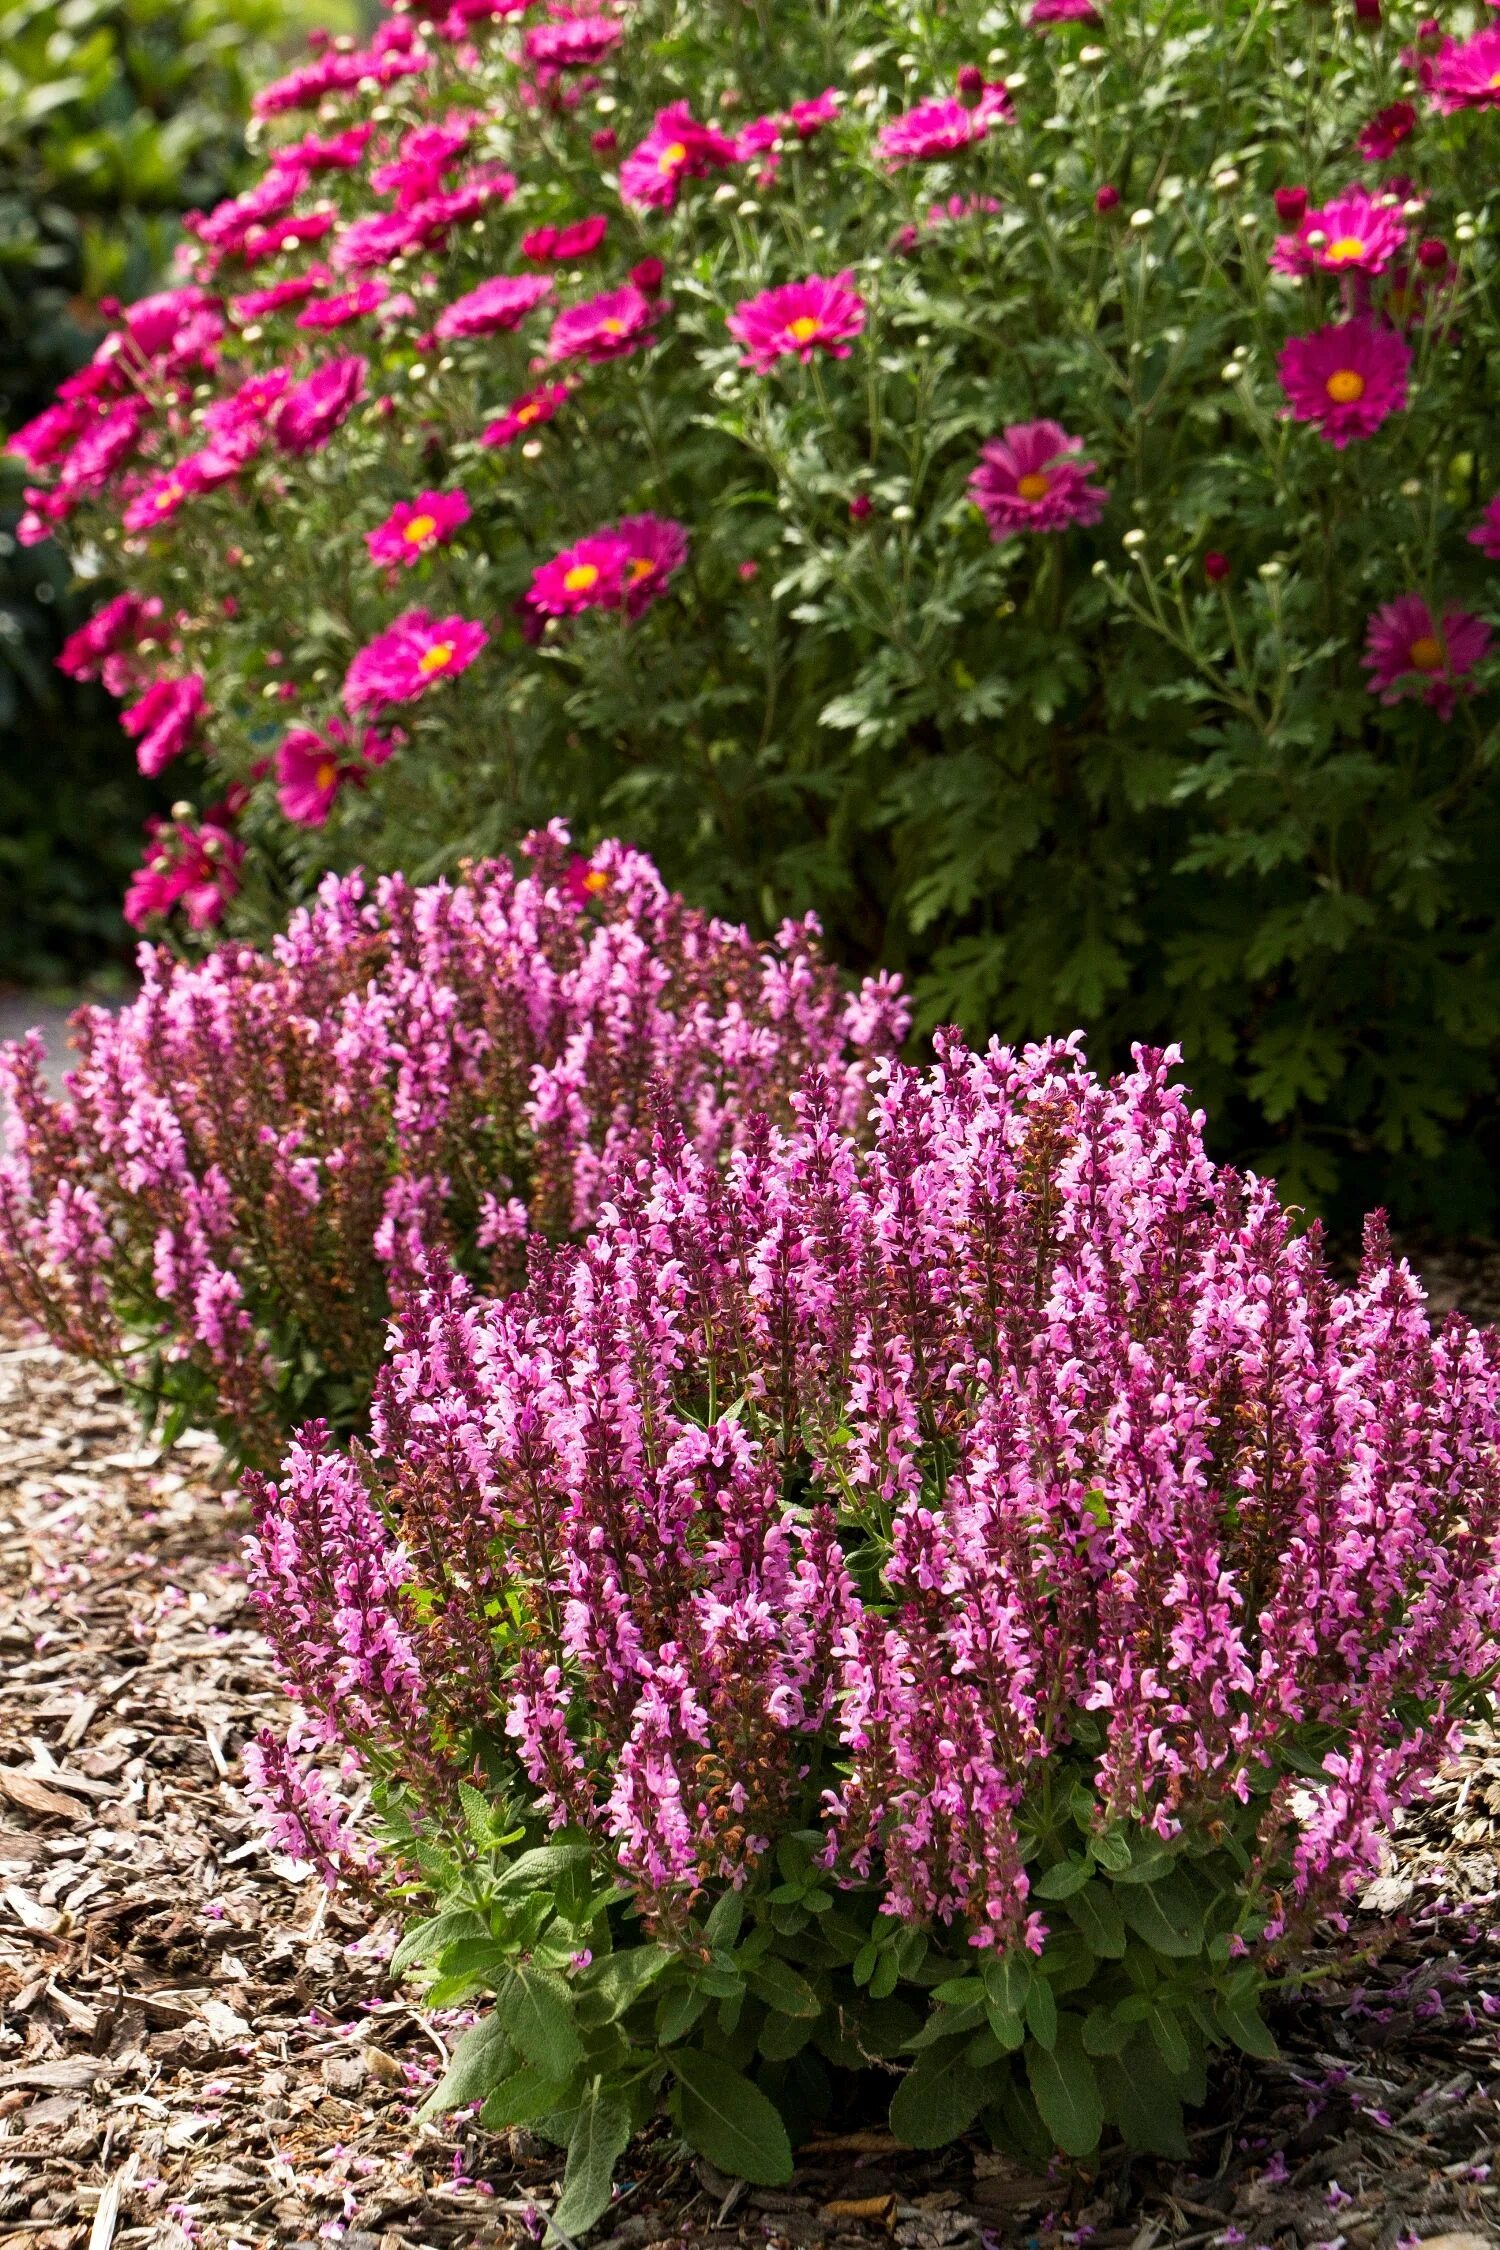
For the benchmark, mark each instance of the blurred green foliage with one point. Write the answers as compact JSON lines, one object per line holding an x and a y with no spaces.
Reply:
{"x":115,"y":116}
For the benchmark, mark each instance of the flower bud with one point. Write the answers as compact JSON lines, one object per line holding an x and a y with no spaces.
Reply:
{"x":605,"y":141}
{"x":1291,"y":205}
{"x":860,"y":506}
{"x":749,"y":571}
{"x":1432,"y":254}
{"x":1133,"y":542}
{"x":1367,"y":12}
{"x":1143,"y":218}
{"x":1106,"y":198}
{"x":971,"y":85}
{"x":648,"y":276}
{"x":1216,"y":567}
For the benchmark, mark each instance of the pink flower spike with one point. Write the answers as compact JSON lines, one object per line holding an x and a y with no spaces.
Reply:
{"x":1354,"y":233}
{"x":798,"y":319}
{"x":1345,"y":378}
{"x":163,"y":721}
{"x":1407,"y":654}
{"x":1485,"y":535}
{"x":1031,"y":479}
{"x":941,"y":128}
{"x":414,"y":527}
{"x":495,"y":307}
{"x":415,"y":654}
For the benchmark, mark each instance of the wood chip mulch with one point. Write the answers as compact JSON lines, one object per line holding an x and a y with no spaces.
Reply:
{"x":198,"y":2047}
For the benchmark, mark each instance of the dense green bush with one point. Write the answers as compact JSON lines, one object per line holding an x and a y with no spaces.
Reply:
{"x":1199,"y":743}
{"x":115,"y":115}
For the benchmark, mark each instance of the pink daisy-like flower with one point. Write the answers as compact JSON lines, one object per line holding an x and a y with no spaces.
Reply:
{"x":1466,"y":74}
{"x":158,"y":502}
{"x":194,"y":868}
{"x":1063,"y":11}
{"x":1407,"y":654}
{"x":312,"y":768}
{"x":163,"y":721}
{"x":573,"y":42}
{"x":1032,"y":479}
{"x":337,"y":312}
{"x":523,"y":414}
{"x":1346,"y":378}
{"x":1485,"y":535}
{"x":260,"y":304}
{"x":798,"y":319}
{"x":313,"y":409}
{"x":563,"y":246}
{"x":414,"y":527}
{"x":655,"y":548}
{"x":588,"y":575}
{"x":1386,"y":131}
{"x":582,"y":880}
{"x":1351,"y":234}
{"x":604,"y":327}
{"x":941,"y":128}
{"x":418,"y":652}
{"x":677,"y":148}
{"x":119,"y":625}
{"x":496,"y":306}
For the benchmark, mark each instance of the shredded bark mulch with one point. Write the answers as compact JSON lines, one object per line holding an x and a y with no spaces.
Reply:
{"x":198,"y":2046}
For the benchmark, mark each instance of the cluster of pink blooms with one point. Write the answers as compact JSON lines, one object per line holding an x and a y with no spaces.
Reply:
{"x":625,"y":566}
{"x":923,"y":1464}
{"x":270,"y":1142}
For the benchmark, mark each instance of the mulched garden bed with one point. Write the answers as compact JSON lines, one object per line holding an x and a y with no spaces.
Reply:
{"x":199,"y":2047}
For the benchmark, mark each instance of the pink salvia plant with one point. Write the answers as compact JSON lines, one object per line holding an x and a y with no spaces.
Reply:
{"x":250,"y":1160}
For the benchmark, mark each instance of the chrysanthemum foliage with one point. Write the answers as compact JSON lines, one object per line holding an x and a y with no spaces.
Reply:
{"x":795,"y":439}
{"x":963,"y":1604}
{"x":250,"y":1162}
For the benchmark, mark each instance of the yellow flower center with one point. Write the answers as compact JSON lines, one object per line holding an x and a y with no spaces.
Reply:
{"x":596,"y":880}
{"x":1347,"y":246}
{"x":637,"y":568}
{"x":326,"y":774}
{"x":672,"y":155}
{"x":527,"y":414}
{"x":613,"y":327}
{"x":1033,"y":486}
{"x":1345,"y":385}
{"x":419,"y":529}
{"x":581,"y":577}
{"x":1495,"y":79}
{"x":169,"y":496}
{"x":433,"y":659}
{"x":803,"y":329}
{"x":1426,"y":653}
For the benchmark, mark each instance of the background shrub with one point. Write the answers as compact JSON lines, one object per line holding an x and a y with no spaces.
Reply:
{"x":1164,"y":749}
{"x":261,"y":1152}
{"x":964,"y":1606}
{"x":114,"y":118}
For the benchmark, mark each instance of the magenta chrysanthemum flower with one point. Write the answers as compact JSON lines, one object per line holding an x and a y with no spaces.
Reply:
{"x":260,"y":304}
{"x":496,"y":305}
{"x":1407,"y":654}
{"x":1466,"y":74}
{"x":603,"y":327}
{"x":941,"y":128}
{"x":1032,"y":479}
{"x":1354,"y":233}
{"x":677,"y":148}
{"x":119,"y":625}
{"x":313,"y":409}
{"x":1063,"y":11}
{"x":337,"y":312}
{"x":525,"y":413}
{"x":311,"y":769}
{"x":1486,"y":533}
{"x":1387,"y":129}
{"x":414,"y":527}
{"x":655,"y":547}
{"x":418,"y":652}
{"x":1346,"y":378}
{"x":163,"y":721}
{"x":588,"y":575}
{"x":563,"y":246}
{"x":573,"y":42}
{"x":158,"y":502}
{"x":798,"y":319}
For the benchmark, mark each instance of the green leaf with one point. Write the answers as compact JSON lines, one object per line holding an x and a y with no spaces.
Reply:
{"x":1171,"y":2040}
{"x":779,"y":1985}
{"x":478,"y":1818}
{"x":1041,"y":2012}
{"x":1142,"y":2102}
{"x":613,"y":1986}
{"x":1239,"y":2018}
{"x":539,"y":1869}
{"x":938,"y":2099}
{"x":1061,"y":1881}
{"x":1097,"y":1914}
{"x":723,"y":1924}
{"x":598,"y":2139}
{"x":428,"y":1939}
{"x":536,"y":2009}
{"x":730,"y":2121}
{"x":524,"y":2094}
{"x":1066,"y":2089}
{"x":482,"y":2058}
{"x":1167,"y":1916}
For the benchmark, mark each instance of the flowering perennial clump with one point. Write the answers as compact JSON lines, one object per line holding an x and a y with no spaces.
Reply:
{"x":847,"y":315}
{"x":252,"y":1160}
{"x":970,"y":1601}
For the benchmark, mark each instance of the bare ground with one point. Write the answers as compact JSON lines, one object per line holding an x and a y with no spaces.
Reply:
{"x":198,"y":2047}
